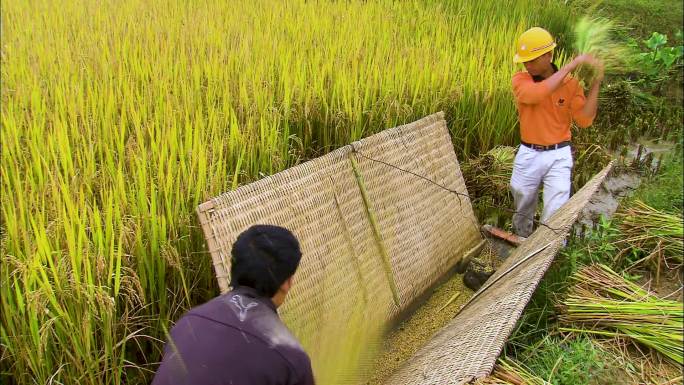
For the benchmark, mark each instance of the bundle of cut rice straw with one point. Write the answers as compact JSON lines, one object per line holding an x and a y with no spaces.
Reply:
{"x":653,"y":230}
{"x":510,"y":372}
{"x":603,"y":303}
{"x":595,"y":36}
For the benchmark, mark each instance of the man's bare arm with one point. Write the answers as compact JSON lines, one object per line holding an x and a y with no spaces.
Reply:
{"x":591,"y":104}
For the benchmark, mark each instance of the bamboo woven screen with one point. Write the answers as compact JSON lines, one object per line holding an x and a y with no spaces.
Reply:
{"x":467,"y":348}
{"x":424,"y":229}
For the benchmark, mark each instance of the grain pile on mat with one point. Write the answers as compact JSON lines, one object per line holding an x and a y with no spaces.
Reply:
{"x":411,"y":334}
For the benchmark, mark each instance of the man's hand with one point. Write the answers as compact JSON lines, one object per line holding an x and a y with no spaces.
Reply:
{"x":556,"y":80}
{"x":592,"y":61}
{"x":585,"y":58}
{"x":591,"y":104}
{"x":598,"y":76}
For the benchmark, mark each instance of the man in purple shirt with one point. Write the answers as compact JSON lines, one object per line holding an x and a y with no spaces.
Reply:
{"x":238,"y":338}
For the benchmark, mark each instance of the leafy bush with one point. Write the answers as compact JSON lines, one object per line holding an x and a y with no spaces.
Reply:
{"x":660,"y":60}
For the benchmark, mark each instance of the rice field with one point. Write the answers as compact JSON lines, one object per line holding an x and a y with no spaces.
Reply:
{"x":119,"y":117}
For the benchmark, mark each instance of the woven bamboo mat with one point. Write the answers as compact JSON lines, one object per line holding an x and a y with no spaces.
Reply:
{"x":424,"y":229}
{"x":467,"y":348}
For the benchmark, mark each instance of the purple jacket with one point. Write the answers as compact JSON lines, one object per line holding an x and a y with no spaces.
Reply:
{"x":236,"y":338}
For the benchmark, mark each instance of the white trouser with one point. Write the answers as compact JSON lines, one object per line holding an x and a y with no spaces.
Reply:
{"x":530,"y":169}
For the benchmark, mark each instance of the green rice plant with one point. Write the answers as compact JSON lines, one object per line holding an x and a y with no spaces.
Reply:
{"x":653,"y":231}
{"x":119,"y":118}
{"x":660,"y":61}
{"x":663,"y":191}
{"x":571,"y":361}
{"x":590,"y":158}
{"x":603,"y":303}
{"x":595,"y":36}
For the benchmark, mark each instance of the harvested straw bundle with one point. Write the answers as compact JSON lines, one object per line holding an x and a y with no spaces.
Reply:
{"x":509,"y":372}
{"x":595,"y":36}
{"x":652,"y":230}
{"x":487,"y":178}
{"x":490,"y":172}
{"x":603,"y":303}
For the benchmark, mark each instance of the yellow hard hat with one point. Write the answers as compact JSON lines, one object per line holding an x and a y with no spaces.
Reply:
{"x":533,"y":43}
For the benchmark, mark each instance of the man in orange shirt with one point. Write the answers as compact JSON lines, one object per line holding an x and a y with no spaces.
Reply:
{"x":548,"y":101}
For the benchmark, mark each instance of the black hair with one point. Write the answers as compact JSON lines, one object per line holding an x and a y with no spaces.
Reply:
{"x":263,"y":257}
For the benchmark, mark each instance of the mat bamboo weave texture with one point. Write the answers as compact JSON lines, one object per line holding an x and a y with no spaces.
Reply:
{"x":467,"y":348}
{"x":424,"y":230}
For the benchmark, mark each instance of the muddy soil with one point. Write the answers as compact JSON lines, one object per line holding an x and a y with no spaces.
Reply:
{"x":622,"y":181}
{"x":607,"y":199}
{"x":667,"y":285}
{"x":648,"y":146}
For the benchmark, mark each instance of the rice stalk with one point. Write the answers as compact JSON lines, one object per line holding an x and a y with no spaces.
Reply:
{"x":595,"y":36}
{"x":490,"y":172}
{"x":509,"y":372}
{"x":652,"y":230}
{"x":603,"y":303}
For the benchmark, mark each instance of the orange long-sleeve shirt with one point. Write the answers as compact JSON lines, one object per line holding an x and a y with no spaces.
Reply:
{"x":545,"y":116}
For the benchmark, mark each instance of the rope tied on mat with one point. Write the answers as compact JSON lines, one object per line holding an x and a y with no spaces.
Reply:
{"x":457,"y":193}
